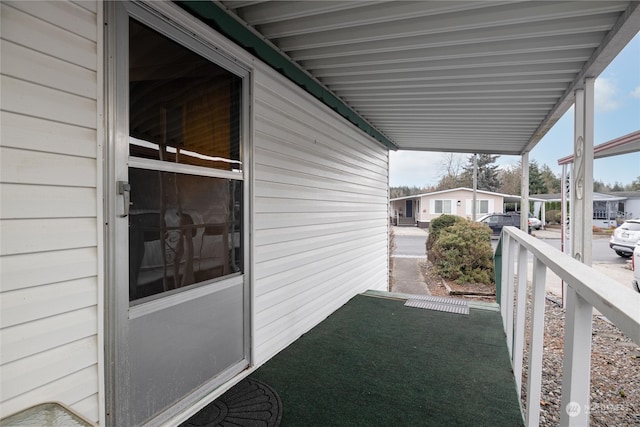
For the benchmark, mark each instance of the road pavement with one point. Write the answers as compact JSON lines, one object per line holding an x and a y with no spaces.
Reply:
{"x":604,"y":259}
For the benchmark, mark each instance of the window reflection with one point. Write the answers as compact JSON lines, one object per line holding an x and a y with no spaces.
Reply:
{"x":183,"y":229}
{"x":181,"y":104}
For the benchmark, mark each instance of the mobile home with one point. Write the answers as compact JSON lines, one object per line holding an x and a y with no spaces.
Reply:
{"x":174,"y":210}
{"x":183,"y":195}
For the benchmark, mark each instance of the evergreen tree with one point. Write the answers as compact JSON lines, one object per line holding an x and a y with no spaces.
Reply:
{"x":542,"y":180}
{"x":617,"y":187}
{"x":487,"y":173}
{"x":536,"y":181}
{"x":551,"y":180}
{"x":405,"y":190}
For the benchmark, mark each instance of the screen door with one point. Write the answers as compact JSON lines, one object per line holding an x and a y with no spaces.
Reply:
{"x":180,"y":225}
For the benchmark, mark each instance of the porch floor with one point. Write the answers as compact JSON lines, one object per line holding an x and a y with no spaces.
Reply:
{"x":375,"y":362}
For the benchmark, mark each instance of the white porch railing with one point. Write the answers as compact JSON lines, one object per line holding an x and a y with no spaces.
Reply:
{"x":586,"y":289}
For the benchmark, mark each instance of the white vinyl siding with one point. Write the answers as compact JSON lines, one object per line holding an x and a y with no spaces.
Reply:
{"x":49,"y":212}
{"x":320,"y":213}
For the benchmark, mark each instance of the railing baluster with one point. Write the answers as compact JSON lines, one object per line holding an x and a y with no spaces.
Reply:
{"x":520,"y":314}
{"x":576,"y":364}
{"x":509,"y":299}
{"x":587,"y":289}
{"x":506,"y":250}
{"x":536,"y":342}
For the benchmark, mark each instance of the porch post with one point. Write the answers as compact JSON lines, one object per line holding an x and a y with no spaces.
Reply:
{"x":565,"y":241}
{"x":589,"y":106}
{"x":524,"y":194}
{"x":582,"y":197}
{"x":579,"y":315}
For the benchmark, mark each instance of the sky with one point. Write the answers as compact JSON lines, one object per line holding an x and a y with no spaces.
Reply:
{"x":617,"y":113}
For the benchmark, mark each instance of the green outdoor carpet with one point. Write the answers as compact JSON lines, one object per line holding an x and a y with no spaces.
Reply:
{"x":375,"y":362}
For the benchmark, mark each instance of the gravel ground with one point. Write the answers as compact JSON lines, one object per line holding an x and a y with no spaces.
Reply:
{"x":615,"y":367}
{"x":615,"y":373}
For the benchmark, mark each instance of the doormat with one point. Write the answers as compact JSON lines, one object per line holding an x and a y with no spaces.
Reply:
{"x":449,"y":305}
{"x":250,"y":403}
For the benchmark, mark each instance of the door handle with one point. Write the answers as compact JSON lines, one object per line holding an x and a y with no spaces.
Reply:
{"x":124,"y":189}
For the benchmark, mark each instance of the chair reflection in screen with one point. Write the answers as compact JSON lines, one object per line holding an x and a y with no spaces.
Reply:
{"x":180,"y":242}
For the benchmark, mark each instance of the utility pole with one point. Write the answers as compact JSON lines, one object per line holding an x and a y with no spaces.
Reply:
{"x":475,"y":186}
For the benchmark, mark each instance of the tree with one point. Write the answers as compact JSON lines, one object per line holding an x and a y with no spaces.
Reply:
{"x":536,"y":181}
{"x":510,"y":180}
{"x":635,"y":184}
{"x":451,"y":167}
{"x":599,"y":186}
{"x":402,"y":191}
{"x":551,"y":180}
{"x":617,"y":187}
{"x":542,"y":180}
{"x":487,"y":173}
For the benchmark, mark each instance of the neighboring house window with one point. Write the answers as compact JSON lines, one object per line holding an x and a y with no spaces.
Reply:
{"x":442,"y":206}
{"x":483,"y":206}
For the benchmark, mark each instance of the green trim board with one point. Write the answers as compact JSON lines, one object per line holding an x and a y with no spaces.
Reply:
{"x":497,"y":269}
{"x":218,"y":19}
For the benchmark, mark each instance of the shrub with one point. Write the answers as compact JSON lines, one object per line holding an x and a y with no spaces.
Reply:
{"x":553,"y":217}
{"x":463,"y":253}
{"x":435,"y":228}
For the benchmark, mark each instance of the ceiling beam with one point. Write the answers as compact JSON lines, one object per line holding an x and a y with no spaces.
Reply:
{"x":534,"y":70}
{"x":277,"y":11}
{"x":509,"y":14}
{"x":475,"y":50}
{"x":554,"y":28}
{"x":377,"y":13}
{"x":493,"y":81}
{"x":426,"y":64}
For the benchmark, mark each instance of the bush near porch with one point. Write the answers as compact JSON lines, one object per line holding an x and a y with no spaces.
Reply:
{"x":460,"y":250}
{"x":435,"y":228}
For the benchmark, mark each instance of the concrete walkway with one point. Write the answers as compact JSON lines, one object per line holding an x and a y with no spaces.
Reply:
{"x":406,"y":275}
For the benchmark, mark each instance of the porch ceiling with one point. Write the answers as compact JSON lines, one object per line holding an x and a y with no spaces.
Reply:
{"x":463,"y":76}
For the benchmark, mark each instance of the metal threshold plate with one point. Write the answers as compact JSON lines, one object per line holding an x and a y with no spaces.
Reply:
{"x":448,"y":305}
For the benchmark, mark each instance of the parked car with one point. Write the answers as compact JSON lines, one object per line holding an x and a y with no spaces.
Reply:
{"x":534,"y":222}
{"x":624,"y":238}
{"x":635,"y":264}
{"x":496,"y":221}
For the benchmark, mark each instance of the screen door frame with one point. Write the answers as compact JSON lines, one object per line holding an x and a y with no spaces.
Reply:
{"x":118,"y":310}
